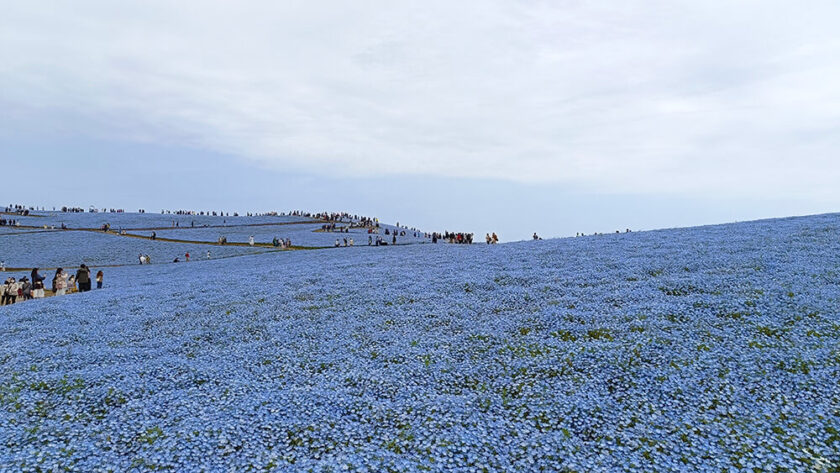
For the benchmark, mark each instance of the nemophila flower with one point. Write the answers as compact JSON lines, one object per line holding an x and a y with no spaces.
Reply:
{"x":705,"y":349}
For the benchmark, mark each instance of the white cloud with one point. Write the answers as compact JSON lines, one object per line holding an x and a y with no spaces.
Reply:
{"x":697,"y":97}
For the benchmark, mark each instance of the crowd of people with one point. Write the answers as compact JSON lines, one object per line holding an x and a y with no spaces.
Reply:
{"x":16,"y":209}
{"x":32,"y":287}
{"x":281,"y":243}
{"x":461,"y":238}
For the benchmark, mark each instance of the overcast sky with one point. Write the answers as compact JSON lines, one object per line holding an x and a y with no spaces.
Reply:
{"x":489,"y":115}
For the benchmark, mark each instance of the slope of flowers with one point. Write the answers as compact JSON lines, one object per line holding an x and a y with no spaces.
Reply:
{"x":705,"y":349}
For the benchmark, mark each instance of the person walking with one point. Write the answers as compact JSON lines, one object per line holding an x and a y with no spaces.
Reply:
{"x":99,"y":278}
{"x":187,"y":256}
{"x":83,"y":278}
{"x":208,"y":254}
{"x":251,"y":240}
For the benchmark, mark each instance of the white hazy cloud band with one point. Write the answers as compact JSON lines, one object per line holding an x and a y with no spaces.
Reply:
{"x":724,"y":97}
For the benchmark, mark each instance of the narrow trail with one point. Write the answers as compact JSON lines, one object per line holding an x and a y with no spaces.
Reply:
{"x":194,"y":260}
{"x":200,"y":242}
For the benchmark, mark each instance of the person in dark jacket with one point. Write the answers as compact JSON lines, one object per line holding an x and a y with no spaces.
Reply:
{"x":36,"y":278}
{"x":26,"y":288}
{"x":83,"y":278}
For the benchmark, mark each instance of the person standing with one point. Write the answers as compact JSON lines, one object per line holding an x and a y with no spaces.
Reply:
{"x":4,"y":291}
{"x":83,"y":278}
{"x":60,"y":282}
{"x":25,"y":288}
{"x":251,"y":240}
{"x":187,"y":256}
{"x":208,"y":254}
{"x":37,"y":278}
{"x":99,"y":279}
{"x":37,"y":284}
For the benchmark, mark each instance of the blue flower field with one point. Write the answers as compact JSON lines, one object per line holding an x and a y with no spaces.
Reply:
{"x":710,"y":349}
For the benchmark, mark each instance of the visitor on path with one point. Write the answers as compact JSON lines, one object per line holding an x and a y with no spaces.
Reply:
{"x":288,"y":242}
{"x":487,"y":238}
{"x":536,"y":237}
{"x":208,"y":254}
{"x":25,"y":288}
{"x":2,"y":265}
{"x":154,"y":235}
{"x":147,"y":259}
{"x":141,"y":258}
{"x":495,"y":238}
{"x":187,"y":256}
{"x":351,"y":242}
{"x":394,"y":239}
{"x":251,"y":240}
{"x":99,"y":279}
{"x":37,"y":284}
{"x":71,"y":283}
{"x":337,"y":244}
{"x":83,"y":278}
{"x":60,"y":282}
{"x":7,"y":290}
{"x":36,"y":277}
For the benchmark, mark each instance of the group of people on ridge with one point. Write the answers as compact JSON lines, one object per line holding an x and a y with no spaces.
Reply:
{"x":25,"y":289}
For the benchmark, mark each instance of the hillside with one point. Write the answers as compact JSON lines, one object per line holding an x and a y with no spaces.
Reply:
{"x":702,"y":349}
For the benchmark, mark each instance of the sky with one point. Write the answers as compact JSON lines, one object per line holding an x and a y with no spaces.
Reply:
{"x":554,"y":117}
